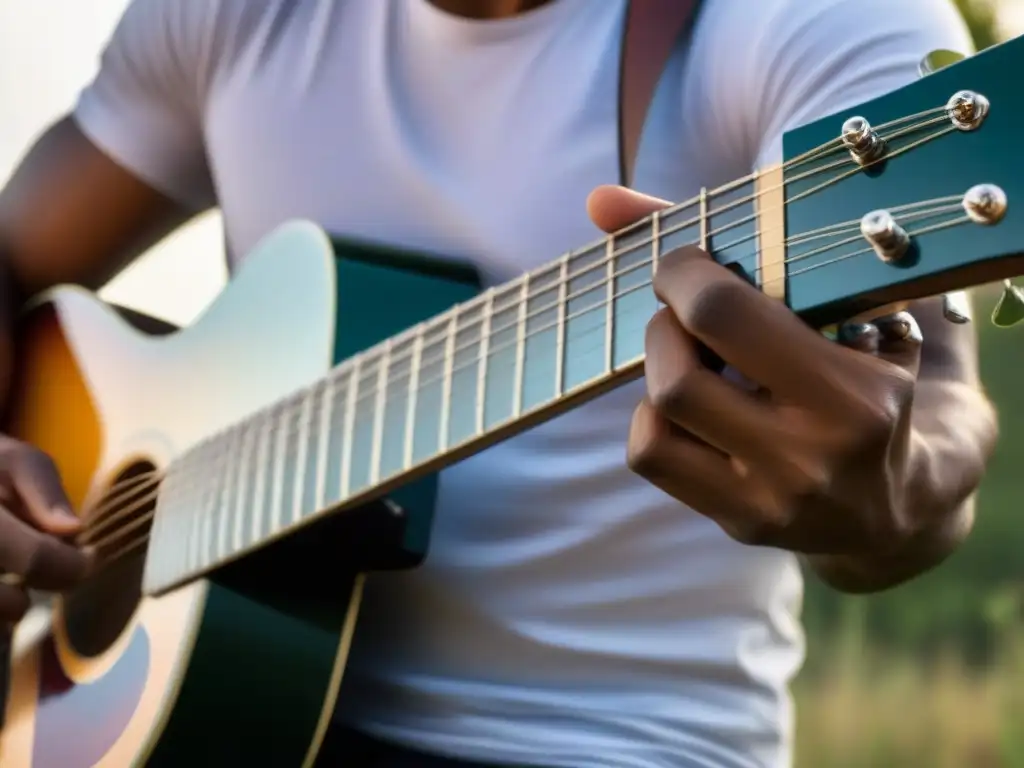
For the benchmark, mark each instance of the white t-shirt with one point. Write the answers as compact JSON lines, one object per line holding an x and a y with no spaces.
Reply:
{"x":569,"y":613}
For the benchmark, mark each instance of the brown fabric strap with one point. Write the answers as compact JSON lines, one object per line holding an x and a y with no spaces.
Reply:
{"x":651,"y":31}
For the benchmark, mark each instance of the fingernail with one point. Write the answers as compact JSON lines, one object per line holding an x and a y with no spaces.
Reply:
{"x":901,"y":327}
{"x":862,"y":336}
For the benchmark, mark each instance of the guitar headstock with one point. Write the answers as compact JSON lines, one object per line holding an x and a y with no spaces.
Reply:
{"x":912,"y":194}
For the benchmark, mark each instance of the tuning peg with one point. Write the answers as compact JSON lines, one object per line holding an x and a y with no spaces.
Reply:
{"x":956,"y":308}
{"x":1009,"y":309}
{"x":937,"y":60}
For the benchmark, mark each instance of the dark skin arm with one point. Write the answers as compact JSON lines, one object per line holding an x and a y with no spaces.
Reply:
{"x":69,"y":214}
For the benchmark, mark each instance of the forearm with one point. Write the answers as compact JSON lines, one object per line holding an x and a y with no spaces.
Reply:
{"x":954,"y":430}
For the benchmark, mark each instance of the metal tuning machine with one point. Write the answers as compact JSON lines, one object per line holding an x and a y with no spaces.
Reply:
{"x":1009,"y":310}
{"x":938,"y":59}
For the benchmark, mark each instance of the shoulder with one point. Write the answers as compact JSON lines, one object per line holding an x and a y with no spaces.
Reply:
{"x":198,"y":35}
{"x":763,"y":68}
{"x":828,"y":26}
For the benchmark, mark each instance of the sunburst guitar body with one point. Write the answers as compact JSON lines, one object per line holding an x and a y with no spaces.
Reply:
{"x":241,"y":667}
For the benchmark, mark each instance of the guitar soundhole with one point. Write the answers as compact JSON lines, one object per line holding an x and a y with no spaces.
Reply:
{"x":98,"y":611}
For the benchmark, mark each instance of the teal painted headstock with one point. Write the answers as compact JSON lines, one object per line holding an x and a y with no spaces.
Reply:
{"x":912,"y":194}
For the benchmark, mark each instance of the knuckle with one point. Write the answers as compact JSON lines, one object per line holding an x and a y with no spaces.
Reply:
{"x":807,"y":488}
{"x":642,"y":455}
{"x":712,"y":305}
{"x":674,"y":395}
{"x":643,"y":449}
{"x":657,"y":326}
{"x":674,"y":264}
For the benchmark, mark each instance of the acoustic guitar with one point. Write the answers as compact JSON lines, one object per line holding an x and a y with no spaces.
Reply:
{"x":239,"y":476}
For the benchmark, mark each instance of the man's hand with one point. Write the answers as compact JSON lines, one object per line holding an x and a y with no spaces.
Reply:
{"x":35,"y":523}
{"x":823,"y":456}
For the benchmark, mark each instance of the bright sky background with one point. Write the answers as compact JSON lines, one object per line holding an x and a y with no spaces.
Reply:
{"x":48,"y":50}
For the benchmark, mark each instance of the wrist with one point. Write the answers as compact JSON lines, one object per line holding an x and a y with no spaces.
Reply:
{"x":947,"y":451}
{"x":874,"y":572}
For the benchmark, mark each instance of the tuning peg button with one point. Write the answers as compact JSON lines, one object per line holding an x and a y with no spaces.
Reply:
{"x":936,"y":60}
{"x":1009,"y":310}
{"x":956,"y":308}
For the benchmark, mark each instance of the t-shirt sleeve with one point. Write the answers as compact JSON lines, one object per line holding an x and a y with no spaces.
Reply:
{"x":816,"y":58}
{"x":145,"y":106}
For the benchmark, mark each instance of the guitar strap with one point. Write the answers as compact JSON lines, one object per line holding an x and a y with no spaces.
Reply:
{"x":651,"y":30}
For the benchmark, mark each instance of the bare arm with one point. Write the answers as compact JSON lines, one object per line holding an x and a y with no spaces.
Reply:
{"x":70,"y":214}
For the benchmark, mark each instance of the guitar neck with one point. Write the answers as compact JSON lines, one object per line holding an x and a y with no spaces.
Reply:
{"x":516,"y":355}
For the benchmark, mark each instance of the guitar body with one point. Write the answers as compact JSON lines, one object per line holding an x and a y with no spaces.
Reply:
{"x":242,"y":667}
{"x":239,"y":658}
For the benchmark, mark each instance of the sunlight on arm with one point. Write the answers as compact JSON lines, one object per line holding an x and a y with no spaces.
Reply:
{"x":49,"y":49}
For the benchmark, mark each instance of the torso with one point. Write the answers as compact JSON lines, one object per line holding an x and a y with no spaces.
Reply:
{"x":567,"y":608}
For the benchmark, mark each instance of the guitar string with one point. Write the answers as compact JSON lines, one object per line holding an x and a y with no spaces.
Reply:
{"x":514,"y":286}
{"x":835,"y":144}
{"x":445,"y":318}
{"x":100,"y":522}
{"x":392,"y":382}
{"x":153,"y":491}
{"x":298,"y":401}
{"x":121,"y":488}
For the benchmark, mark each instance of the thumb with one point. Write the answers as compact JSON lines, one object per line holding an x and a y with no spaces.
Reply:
{"x":612,"y":208}
{"x":43,"y":501}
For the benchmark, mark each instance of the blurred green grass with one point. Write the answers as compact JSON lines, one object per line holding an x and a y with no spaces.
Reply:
{"x":929,"y":675}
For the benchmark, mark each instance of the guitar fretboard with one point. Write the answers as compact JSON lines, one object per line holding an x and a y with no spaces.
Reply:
{"x":486,"y":368}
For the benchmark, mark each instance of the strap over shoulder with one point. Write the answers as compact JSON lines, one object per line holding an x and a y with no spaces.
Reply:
{"x":651,"y":30}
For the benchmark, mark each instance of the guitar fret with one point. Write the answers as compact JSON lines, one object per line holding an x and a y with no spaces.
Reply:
{"x":243,"y":485}
{"x":205,"y":537}
{"x":429,"y":395}
{"x":609,"y":310}
{"x":222,"y":515}
{"x":379,"y":404}
{"x":276,"y":505}
{"x":703,"y":213}
{"x":207,"y":526}
{"x":326,"y":414}
{"x":481,"y":384}
{"x":298,"y":469}
{"x":263,"y":454}
{"x":563,"y":287}
{"x":558,"y":331}
{"x":308,"y":467}
{"x":517,"y":391}
{"x":349,"y":428}
{"x":655,"y":237}
{"x":408,"y":434}
{"x":200,"y":512}
{"x":337,"y":428}
{"x":446,"y":386}
{"x":729,"y":227}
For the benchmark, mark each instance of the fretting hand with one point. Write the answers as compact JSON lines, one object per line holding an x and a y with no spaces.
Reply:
{"x":822,"y":456}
